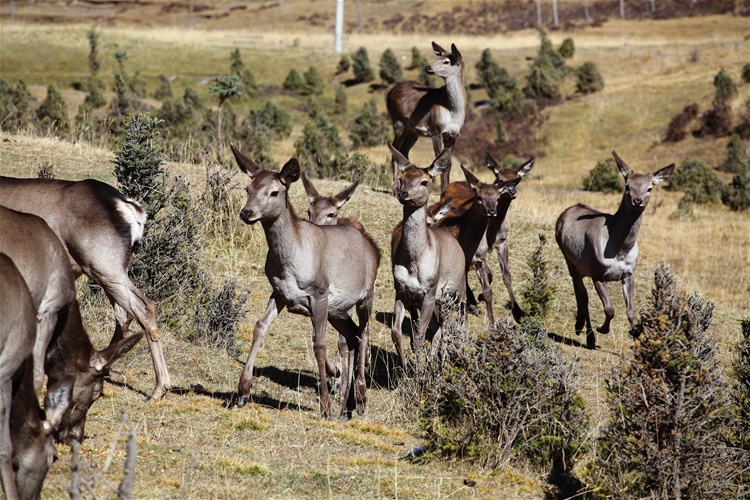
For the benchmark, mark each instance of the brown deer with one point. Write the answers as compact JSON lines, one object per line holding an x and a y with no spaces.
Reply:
{"x":98,"y":227}
{"x":324,"y":210}
{"x":427,"y":261}
{"x":439,"y":113}
{"x":27,"y":447}
{"x":604,"y":247}
{"x":317,"y":271}
{"x":475,"y":204}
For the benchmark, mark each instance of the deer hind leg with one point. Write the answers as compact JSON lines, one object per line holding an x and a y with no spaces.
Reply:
{"x":440,"y":142}
{"x":348,"y":349}
{"x":319,"y":316}
{"x":363,"y":355}
{"x":273,"y":309}
{"x":398,"y":318}
{"x":609,"y":310}
{"x":485,"y":280}
{"x":501,"y":244}
{"x":628,"y":292}
{"x":582,"y":308}
{"x":425,"y":317}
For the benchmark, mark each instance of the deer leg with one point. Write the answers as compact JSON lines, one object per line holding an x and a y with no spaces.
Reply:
{"x":501,"y":243}
{"x":609,"y":310}
{"x":319,"y":316}
{"x":273,"y":309}
{"x":398,"y":319}
{"x":122,"y":321}
{"x":440,"y":142}
{"x":483,"y":273}
{"x":363,"y":355}
{"x":628,"y":292}
{"x":437,"y":337}
{"x":425,"y":316}
{"x":582,"y":308}
{"x":347,"y":348}
{"x":6,"y":449}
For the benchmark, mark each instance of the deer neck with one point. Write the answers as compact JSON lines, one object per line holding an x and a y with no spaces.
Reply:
{"x":623,"y":232}
{"x":414,"y":237}
{"x":455,"y":93}
{"x":282,"y":235}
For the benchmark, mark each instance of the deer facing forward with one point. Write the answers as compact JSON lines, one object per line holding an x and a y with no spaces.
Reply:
{"x":604,"y":247}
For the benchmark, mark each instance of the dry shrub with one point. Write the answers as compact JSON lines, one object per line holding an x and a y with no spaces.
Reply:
{"x":676,"y":131}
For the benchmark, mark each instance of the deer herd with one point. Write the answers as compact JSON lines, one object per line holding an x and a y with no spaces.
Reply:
{"x":52,"y":231}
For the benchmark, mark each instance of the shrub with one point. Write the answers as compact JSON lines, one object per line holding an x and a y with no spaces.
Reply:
{"x":546,"y":72}
{"x":740,"y":435}
{"x":341,"y":100}
{"x":684,"y":208}
{"x":588,"y":79}
{"x":539,"y":294}
{"x":676,"y":129}
{"x":359,"y":166}
{"x":314,"y":84}
{"x":293,"y":82}
{"x":217,"y":319}
{"x":125,"y":101}
{"x":745,"y":76}
{"x":164,"y":91}
{"x":273,"y":118}
{"x":496,"y":80}
{"x":501,"y":137}
{"x":736,"y":160}
{"x":725,"y":87}
{"x":567,"y":48}
{"x":46,"y":170}
{"x":390,"y":68}
{"x":605,"y":177}
{"x":369,"y":129}
{"x":15,"y":105}
{"x":361,"y":67}
{"x":245,"y":76}
{"x":418,"y":61}
{"x":343,"y":65}
{"x":501,"y":395}
{"x":320,"y":148}
{"x":695,"y":177}
{"x":736,"y":195}
{"x":668,"y":412}
{"x":52,"y":114}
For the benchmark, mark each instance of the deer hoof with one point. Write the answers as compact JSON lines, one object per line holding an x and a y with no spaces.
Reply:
{"x":603,"y":329}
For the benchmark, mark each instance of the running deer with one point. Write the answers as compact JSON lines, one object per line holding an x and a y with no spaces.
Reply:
{"x":439,"y":113}
{"x":317,"y":271}
{"x":475,"y":204}
{"x":427,"y":260}
{"x":27,"y":447}
{"x":98,"y":227}
{"x":604,"y":247}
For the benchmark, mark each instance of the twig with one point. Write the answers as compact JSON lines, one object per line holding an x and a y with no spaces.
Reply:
{"x":125,"y":492}
{"x":75,"y":489}
{"x":186,"y":479}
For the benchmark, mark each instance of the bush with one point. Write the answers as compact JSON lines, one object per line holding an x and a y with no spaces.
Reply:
{"x":539,"y":294}
{"x":725,"y":87}
{"x":418,"y":61}
{"x":496,"y":80}
{"x":736,"y":160}
{"x":293,"y":82}
{"x":246,"y":77}
{"x":588,"y":79}
{"x":745,"y":77}
{"x":217,"y":319}
{"x":696,"y":178}
{"x":668,"y":411}
{"x":501,"y":395}
{"x":341,"y":100}
{"x":369,"y":129}
{"x":740,"y":435}
{"x":320,"y":148}
{"x":390,"y":68}
{"x":273,"y":118}
{"x":360,"y":167}
{"x":737,"y":194}
{"x":164,"y":91}
{"x":52,"y":114}
{"x":15,"y":106}
{"x":361,"y":67}
{"x":716,"y":122}
{"x":546,"y":72}
{"x":314,"y":84}
{"x":605,"y":177}
{"x":343,"y":65}
{"x":567,"y":48}
{"x":46,"y":170}
{"x":676,"y":129}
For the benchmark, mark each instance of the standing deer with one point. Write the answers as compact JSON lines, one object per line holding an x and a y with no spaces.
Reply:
{"x":27,"y":447}
{"x":475,"y":204}
{"x":317,"y":271}
{"x":419,"y":111}
{"x":427,"y":260}
{"x":98,"y":227}
{"x":324,"y":210}
{"x":604,"y":246}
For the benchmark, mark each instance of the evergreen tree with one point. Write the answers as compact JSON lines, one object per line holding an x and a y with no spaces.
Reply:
{"x":320,"y":148}
{"x":293,"y":81}
{"x":736,"y":160}
{"x":314,"y":84}
{"x":390,"y":68}
{"x":361,"y":67}
{"x":368,"y":129}
{"x":53,"y":113}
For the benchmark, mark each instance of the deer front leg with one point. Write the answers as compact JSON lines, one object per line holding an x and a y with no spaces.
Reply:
{"x":273,"y":309}
{"x":425,"y":316}
{"x":483,"y":273}
{"x":628,"y":292}
{"x":398,"y":318}
{"x":582,"y":308}
{"x":319,"y":316}
{"x":439,"y":142}
{"x":609,"y":311}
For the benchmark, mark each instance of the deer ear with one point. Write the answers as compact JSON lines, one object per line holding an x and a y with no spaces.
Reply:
{"x":526,"y":167}
{"x":401,"y":160}
{"x":246,"y":164}
{"x":491,"y":164}
{"x":663,"y":174}
{"x":471,"y":178}
{"x":346,"y":194}
{"x":439,"y":51}
{"x":442,"y":210}
{"x":455,"y":54}
{"x":310,"y":190}
{"x":624,"y":169}
{"x":290,"y":172}
{"x":441,"y":163}
{"x":56,"y":403}
{"x":106,"y":357}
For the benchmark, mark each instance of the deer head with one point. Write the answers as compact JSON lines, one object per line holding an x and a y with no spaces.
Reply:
{"x":324,"y":210}
{"x":638,"y":186}
{"x":414,"y":183}
{"x":447,"y":64}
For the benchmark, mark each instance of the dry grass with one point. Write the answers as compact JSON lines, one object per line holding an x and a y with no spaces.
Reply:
{"x":277,"y":446}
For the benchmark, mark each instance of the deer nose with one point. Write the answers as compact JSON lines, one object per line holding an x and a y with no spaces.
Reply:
{"x":245,"y":215}
{"x":637,"y":202}
{"x":491,"y":212}
{"x":402,"y":195}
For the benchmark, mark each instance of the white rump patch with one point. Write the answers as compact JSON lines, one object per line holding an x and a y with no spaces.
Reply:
{"x":135,"y":216}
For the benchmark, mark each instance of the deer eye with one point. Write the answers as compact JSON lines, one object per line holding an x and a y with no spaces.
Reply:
{"x":649,"y":189}
{"x":330,"y":216}
{"x":424,"y":183}
{"x":274,"y":194}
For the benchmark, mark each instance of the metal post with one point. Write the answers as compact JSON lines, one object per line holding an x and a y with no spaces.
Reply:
{"x":339,"y":26}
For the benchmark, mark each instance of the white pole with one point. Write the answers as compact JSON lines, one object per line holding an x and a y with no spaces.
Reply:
{"x":339,"y":26}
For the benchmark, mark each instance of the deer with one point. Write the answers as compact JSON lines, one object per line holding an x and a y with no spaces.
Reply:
{"x":604,"y":246}
{"x":98,"y":227}
{"x":427,"y":270}
{"x":27,"y":447}
{"x":316,"y":271}
{"x":419,"y":111}
{"x":475,"y":204}
{"x":324,"y":210}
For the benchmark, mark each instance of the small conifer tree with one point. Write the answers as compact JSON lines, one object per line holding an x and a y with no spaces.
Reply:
{"x":588,"y":79}
{"x":418,"y":61}
{"x":52,"y":114}
{"x":361,"y":66}
{"x":390,"y":68}
{"x":293,"y":81}
{"x":320,"y":148}
{"x":604,"y":177}
{"x":736,"y":160}
{"x":368,"y":129}
{"x":341,"y":100}
{"x":696,"y":178}
{"x":314,"y":84}
{"x":567,"y":48}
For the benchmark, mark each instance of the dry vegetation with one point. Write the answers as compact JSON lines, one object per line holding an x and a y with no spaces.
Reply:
{"x":277,"y":446}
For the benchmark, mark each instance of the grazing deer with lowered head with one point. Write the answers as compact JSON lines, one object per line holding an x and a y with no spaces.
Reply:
{"x":27,"y":447}
{"x":427,"y":261}
{"x":604,"y":247}
{"x":439,"y":113}
{"x":98,"y":227}
{"x":475,"y":204}
{"x":317,"y":271}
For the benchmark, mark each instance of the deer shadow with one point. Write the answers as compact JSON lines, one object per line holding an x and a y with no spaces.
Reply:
{"x":383,"y":372}
{"x":566,"y":340}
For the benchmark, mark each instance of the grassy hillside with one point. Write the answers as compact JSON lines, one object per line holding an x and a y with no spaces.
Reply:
{"x":277,"y":446}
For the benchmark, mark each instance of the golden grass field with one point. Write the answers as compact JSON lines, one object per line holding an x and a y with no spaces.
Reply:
{"x":277,"y":447}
